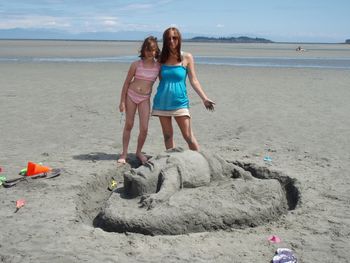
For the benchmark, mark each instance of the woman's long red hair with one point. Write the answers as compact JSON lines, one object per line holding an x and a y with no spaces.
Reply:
{"x":164,"y":55}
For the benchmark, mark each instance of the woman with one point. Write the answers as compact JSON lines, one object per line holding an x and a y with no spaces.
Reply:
{"x":171,"y":100}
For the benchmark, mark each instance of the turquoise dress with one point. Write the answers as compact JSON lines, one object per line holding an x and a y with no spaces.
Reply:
{"x":171,"y":92}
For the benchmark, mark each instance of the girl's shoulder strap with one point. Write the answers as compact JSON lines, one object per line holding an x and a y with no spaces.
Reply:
{"x":157,"y":65}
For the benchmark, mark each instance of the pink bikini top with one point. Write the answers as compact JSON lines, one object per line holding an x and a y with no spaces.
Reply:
{"x":149,"y":74}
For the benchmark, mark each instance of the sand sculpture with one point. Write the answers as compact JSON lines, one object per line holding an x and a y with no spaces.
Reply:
{"x":182,"y":191}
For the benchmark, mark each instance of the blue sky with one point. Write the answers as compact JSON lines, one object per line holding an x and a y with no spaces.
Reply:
{"x":277,"y":20}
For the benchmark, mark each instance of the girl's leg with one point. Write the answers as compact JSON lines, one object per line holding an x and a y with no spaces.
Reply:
{"x":129,"y":123}
{"x":168,"y":132}
{"x":144,"y":112}
{"x":184,"y":123}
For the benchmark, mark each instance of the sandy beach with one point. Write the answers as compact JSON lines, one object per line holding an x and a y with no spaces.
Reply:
{"x":65,"y":115}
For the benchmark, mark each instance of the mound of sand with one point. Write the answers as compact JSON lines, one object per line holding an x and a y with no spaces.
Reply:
{"x":236,"y":201}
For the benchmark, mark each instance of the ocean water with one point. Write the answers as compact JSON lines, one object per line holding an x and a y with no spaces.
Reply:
{"x":243,"y":55}
{"x":282,"y":62}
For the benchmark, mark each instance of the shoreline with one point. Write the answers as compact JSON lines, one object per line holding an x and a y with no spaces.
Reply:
{"x":74,"y":49}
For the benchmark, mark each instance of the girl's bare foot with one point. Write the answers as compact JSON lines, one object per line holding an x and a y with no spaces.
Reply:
{"x":142,"y":158}
{"x":122,"y":159}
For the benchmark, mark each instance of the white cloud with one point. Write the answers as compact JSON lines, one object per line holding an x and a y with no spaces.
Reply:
{"x":220,"y":25}
{"x":34,"y":22}
{"x":134,"y":7}
{"x":110,"y":23}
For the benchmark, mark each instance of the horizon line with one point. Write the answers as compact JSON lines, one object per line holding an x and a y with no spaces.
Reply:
{"x":184,"y":40}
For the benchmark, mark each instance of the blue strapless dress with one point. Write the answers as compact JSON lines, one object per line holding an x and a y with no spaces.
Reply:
{"x":171,"y":92}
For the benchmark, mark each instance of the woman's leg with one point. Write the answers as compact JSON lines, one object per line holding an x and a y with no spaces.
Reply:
{"x":168,"y":132}
{"x":144,"y":111}
{"x":184,"y":123}
{"x":129,"y":123}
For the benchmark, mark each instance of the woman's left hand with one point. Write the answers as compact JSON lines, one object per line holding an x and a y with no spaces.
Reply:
{"x":209,"y":104}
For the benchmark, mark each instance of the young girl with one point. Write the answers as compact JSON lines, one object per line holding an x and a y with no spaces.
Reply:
{"x":171,"y":100}
{"x":136,"y":94}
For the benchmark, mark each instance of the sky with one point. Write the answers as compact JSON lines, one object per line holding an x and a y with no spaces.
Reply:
{"x":276,"y":20}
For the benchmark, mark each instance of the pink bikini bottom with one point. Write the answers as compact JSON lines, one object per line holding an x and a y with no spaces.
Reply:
{"x":137,"y":98}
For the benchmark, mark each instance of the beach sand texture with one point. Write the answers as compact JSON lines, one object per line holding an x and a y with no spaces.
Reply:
{"x":65,"y":115}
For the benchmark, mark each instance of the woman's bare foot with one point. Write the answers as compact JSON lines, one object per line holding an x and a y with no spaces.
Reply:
{"x":142,"y":158}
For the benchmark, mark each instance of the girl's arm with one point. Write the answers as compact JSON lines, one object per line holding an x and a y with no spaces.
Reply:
{"x":128,"y":79}
{"x":209,"y":104}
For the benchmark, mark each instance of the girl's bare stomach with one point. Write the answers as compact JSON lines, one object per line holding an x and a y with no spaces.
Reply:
{"x":141,"y":86}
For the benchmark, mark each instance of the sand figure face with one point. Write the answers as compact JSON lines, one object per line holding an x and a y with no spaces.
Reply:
{"x":175,"y":169}
{"x":183,"y":191}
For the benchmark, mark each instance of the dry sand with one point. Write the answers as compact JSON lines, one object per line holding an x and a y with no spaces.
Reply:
{"x":64,"y":115}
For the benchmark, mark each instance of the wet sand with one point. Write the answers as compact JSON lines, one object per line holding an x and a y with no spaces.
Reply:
{"x":65,"y":115}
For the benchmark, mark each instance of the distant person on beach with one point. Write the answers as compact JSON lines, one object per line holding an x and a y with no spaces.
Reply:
{"x":171,"y":100}
{"x":299,"y":48}
{"x":136,"y":93}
